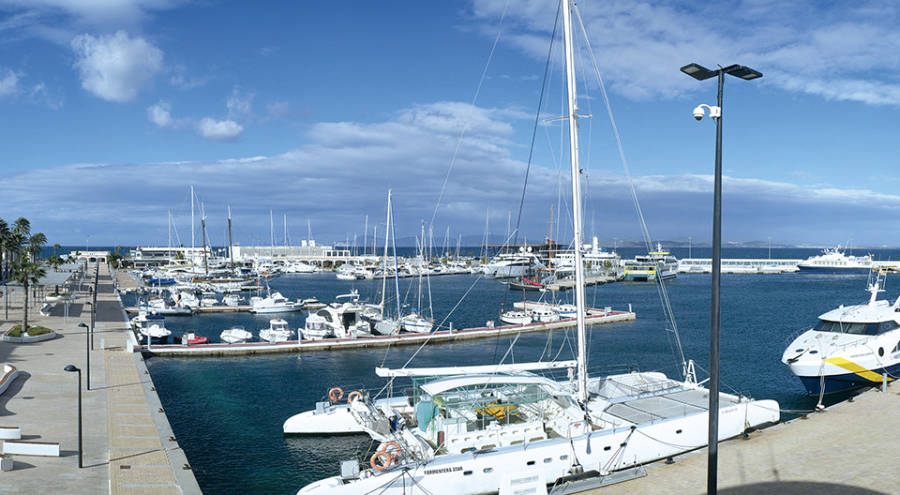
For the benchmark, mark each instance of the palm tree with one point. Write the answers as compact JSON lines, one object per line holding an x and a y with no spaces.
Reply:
{"x":35,"y":243}
{"x":56,"y":248}
{"x":27,"y":272}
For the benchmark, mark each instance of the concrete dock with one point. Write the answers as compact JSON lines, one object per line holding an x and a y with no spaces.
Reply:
{"x":128,"y":445}
{"x":595,"y":317}
{"x":850,"y":449}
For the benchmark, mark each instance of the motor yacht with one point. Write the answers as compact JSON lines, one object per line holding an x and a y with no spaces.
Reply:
{"x":273,"y":303}
{"x":849,"y":347}
{"x":834,"y":260}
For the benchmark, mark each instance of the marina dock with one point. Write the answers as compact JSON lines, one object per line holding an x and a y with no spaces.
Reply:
{"x":568,"y":283}
{"x":595,"y":317}
{"x":829,"y":453}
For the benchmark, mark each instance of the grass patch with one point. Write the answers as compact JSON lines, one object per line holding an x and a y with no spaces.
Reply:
{"x":16,"y":331}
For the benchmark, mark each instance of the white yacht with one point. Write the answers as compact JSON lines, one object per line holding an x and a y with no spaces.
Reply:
{"x":512,"y":265}
{"x":516,"y":317}
{"x":273,"y":303}
{"x":416,"y":323}
{"x":544,"y":314}
{"x":232,"y":300}
{"x":500,"y":428}
{"x":340,"y":320}
{"x":158,"y":305}
{"x":851,"y":346}
{"x":834,"y":260}
{"x":278,"y":331}
{"x":235,"y":335}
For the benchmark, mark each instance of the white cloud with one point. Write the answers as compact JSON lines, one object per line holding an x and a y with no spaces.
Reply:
{"x":95,"y":12}
{"x":346,"y":168}
{"x":9,"y":84}
{"x":219,"y":130}
{"x":116,"y":67}
{"x":843,"y":51}
{"x":160,"y":114}
{"x":239,"y":104}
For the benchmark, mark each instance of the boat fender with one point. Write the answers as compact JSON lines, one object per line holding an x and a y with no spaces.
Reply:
{"x":335,"y":394}
{"x":381,"y":460}
{"x":352,"y":396}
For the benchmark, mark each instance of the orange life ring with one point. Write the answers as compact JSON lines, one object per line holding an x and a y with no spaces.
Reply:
{"x":381,"y":460}
{"x":393,"y":448}
{"x":335,"y":394}
{"x":352,"y":396}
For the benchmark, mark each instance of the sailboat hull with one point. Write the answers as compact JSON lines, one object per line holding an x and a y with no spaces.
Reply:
{"x":546,"y":461}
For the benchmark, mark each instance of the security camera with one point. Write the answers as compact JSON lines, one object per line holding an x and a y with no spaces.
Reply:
{"x":699,"y":112}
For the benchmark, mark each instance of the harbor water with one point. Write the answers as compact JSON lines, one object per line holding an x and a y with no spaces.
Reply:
{"x":227,"y":413}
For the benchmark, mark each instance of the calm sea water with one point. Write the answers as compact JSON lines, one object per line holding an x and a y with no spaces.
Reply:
{"x":227,"y":413}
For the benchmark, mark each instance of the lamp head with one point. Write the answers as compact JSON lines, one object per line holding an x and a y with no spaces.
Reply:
{"x":71,"y":367}
{"x":82,"y":325}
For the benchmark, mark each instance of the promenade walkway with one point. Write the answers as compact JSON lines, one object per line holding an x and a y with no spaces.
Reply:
{"x":848,"y":450}
{"x":128,"y":444}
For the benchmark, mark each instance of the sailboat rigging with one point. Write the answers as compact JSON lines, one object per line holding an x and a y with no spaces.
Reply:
{"x":471,"y":430}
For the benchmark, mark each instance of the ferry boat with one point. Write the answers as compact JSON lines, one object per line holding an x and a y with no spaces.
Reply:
{"x":850,"y":347}
{"x":834,"y":260}
{"x":655,"y":264}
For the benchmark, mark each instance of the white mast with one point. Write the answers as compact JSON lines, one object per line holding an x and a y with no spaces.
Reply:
{"x":192,"y":226}
{"x":576,"y":203}
{"x":387,"y":233}
{"x":272,"y":234}
{"x":285,"y":230}
{"x":365,"y":248}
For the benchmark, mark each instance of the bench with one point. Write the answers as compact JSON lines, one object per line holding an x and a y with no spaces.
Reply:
{"x":22,"y":447}
{"x":9,"y":374}
{"x":10,"y":433}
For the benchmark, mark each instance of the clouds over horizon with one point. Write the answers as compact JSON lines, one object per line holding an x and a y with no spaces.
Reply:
{"x":807,"y":47}
{"x":339,"y":176}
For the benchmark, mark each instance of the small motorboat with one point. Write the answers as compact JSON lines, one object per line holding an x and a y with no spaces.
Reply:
{"x":232,"y":300}
{"x":278,"y":331}
{"x":516,"y":317}
{"x":191,"y":338}
{"x":566,"y":310}
{"x":235,"y":335}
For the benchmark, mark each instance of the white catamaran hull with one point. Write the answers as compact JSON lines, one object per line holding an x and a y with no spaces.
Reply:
{"x":549,"y":460}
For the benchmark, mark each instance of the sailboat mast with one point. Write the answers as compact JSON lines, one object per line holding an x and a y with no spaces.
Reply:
{"x":272,"y":235}
{"x":192,"y":228}
{"x":365,"y":248}
{"x":387,"y":233}
{"x":576,"y":204}
{"x":230,"y":244}
{"x":203,"y":230}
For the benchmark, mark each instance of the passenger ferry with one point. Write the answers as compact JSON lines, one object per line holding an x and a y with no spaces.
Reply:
{"x":834,"y":260}
{"x":851,"y":346}
{"x":653,"y":265}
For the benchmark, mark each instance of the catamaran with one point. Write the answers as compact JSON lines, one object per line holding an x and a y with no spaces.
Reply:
{"x":502,"y":428}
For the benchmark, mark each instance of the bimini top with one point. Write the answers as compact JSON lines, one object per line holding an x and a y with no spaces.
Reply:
{"x":442,"y":385}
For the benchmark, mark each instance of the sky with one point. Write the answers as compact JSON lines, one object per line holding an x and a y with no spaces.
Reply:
{"x":112,"y":109}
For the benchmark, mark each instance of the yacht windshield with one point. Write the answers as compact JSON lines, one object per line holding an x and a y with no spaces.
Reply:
{"x":857,"y":328}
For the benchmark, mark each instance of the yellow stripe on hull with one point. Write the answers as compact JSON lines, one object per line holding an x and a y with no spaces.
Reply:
{"x":856,"y":369}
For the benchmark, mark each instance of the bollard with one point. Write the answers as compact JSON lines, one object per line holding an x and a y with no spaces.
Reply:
{"x":451,"y":328}
{"x":884,"y":382}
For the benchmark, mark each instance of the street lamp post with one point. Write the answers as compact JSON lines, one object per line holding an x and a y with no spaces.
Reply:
{"x":701,"y":73}
{"x":80,"y":449}
{"x":87,"y":349}
{"x":89,"y":303}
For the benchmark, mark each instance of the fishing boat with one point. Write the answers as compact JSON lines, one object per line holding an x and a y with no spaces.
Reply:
{"x":503,"y":428}
{"x":151,"y":326}
{"x":278,"y":331}
{"x":235,"y":335}
{"x":849,"y":347}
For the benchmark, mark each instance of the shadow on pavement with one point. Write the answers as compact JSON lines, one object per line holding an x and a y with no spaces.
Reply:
{"x":797,"y":488}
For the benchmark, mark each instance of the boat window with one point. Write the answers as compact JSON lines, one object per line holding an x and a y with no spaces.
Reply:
{"x":324,"y":314}
{"x":887,"y":326}
{"x":858,"y":328}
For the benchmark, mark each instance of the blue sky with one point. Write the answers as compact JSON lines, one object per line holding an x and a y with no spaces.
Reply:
{"x":314,"y":109}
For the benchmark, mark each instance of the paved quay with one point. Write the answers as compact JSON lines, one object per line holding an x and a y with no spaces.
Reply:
{"x":850,"y":449}
{"x":129,"y":447}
